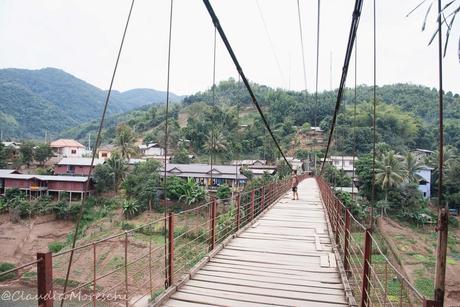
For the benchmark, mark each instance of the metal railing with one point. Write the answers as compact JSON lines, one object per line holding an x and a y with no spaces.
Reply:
{"x":373,"y":279}
{"x":142,"y":263}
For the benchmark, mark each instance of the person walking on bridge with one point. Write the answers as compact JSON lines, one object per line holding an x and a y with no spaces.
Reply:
{"x":294,"y":184}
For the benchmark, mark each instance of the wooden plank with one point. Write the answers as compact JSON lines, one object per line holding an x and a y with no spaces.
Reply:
{"x":315,"y":300}
{"x":324,"y":260}
{"x":211,"y":300}
{"x":277,"y":293}
{"x":332,"y":260}
{"x":178,"y":303}
{"x":283,"y":280}
{"x":269,"y":285}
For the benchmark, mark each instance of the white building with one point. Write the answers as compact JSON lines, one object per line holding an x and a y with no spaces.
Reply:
{"x":344,"y":163}
{"x":249,"y":162}
{"x":151,"y":149}
{"x":68,"y":148}
{"x":424,"y":185}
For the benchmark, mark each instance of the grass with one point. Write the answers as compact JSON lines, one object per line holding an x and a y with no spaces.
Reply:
{"x":425,"y":286}
{"x":5,"y":266}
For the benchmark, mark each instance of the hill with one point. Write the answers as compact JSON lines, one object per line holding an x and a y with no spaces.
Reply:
{"x":407,"y":118}
{"x":33,"y":102}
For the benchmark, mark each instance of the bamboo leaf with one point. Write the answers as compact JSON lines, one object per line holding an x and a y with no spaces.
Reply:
{"x":413,"y":10}
{"x":426,"y":16}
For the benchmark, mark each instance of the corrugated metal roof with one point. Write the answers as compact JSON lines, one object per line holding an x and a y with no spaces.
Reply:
{"x":6,"y":171}
{"x":45,"y":177}
{"x":203,"y":171}
{"x":66,"y":143}
{"x":79,"y":161}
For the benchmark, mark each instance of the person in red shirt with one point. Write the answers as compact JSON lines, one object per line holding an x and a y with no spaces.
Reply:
{"x":294,"y":184}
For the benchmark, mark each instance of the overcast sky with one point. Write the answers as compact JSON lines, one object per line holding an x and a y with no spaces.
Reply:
{"x":82,"y":37}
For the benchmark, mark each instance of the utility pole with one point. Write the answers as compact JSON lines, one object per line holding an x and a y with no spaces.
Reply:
{"x":443,"y":215}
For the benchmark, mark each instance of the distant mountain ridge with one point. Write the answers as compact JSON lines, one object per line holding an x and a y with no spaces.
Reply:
{"x":33,"y":102}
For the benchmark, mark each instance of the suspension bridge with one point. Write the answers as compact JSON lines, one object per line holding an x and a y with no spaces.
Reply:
{"x":258,"y":247}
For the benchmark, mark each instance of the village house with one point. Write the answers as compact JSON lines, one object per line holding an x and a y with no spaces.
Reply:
{"x":249,"y":162}
{"x":296,"y":164}
{"x":75,"y":166}
{"x":105,"y":151}
{"x":205,"y":176}
{"x":422,"y":154}
{"x":424,"y":183}
{"x":39,"y":185}
{"x":151,"y":149}
{"x":67,"y":148}
{"x":344,"y":163}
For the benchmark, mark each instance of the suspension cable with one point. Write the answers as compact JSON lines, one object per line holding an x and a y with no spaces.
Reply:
{"x":216,"y":22}
{"x":213,"y":136}
{"x":317,"y":63}
{"x":354,"y":119}
{"x":303,"y":50}
{"x":351,"y":39}
{"x":374,"y":114}
{"x":270,"y":41}
{"x":98,"y":140}
{"x":165,"y":186}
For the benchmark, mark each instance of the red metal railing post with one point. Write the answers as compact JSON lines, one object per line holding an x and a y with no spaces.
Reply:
{"x":366,"y":269}
{"x":94,"y":275}
{"x":252,"y":205}
{"x":338,"y":217}
{"x":431,"y":303}
{"x":213,"y":224}
{"x":126,"y":270}
{"x":238,"y":211}
{"x":45,"y":279}
{"x":262,"y":201}
{"x":170,"y":248}
{"x":346,"y":241}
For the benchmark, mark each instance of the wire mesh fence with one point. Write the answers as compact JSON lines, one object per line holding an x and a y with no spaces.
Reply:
{"x":374,"y":280}
{"x":139,"y":264}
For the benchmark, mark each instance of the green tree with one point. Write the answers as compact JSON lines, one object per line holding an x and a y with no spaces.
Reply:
{"x":3,"y":156}
{"x":125,"y":141}
{"x":389,"y":172}
{"x":215,"y":143}
{"x":411,"y":168}
{"x":223,"y":191}
{"x":118,"y":169}
{"x":181,"y":157}
{"x":42,"y":153}
{"x":26,"y":152}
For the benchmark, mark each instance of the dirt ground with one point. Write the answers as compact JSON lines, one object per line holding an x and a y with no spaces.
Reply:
{"x":416,"y":249}
{"x":21,"y":241}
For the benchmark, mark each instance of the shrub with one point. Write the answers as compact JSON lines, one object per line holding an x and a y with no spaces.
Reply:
{"x":127,"y":226}
{"x":223,"y":191}
{"x":5,"y":266}
{"x":131,"y":208}
{"x":55,"y":247}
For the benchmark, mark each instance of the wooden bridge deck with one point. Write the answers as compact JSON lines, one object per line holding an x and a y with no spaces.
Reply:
{"x":284,"y":259}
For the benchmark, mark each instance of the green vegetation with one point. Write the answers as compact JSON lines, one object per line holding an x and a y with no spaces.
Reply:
{"x":4,"y":267}
{"x":33,"y":102}
{"x":55,"y":247}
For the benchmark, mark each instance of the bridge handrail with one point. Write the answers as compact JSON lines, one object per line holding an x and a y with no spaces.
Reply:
{"x":364,"y":259}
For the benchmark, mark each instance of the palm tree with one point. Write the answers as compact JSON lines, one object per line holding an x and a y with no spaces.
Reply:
{"x":388,"y":172}
{"x":411,"y":168}
{"x":125,"y":141}
{"x":118,"y":169}
{"x":215,"y":143}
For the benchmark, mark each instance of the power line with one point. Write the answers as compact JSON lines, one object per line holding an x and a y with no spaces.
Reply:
{"x":351,"y":39}
{"x":216,"y":22}
{"x":98,"y":139}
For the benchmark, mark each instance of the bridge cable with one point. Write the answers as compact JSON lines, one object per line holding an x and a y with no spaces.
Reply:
{"x":317,"y":62}
{"x":165,"y":186}
{"x":354,"y":119}
{"x":374,"y":115}
{"x":351,"y":39}
{"x":216,"y":22}
{"x":270,"y":41}
{"x":98,"y":140}
{"x":213,"y":136}
{"x":303,"y":50}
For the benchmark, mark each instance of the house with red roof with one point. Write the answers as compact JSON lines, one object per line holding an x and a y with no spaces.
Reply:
{"x":67,"y":148}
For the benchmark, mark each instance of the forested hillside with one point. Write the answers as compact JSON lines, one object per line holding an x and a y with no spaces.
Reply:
{"x":35,"y":101}
{"x":406,"y":119}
